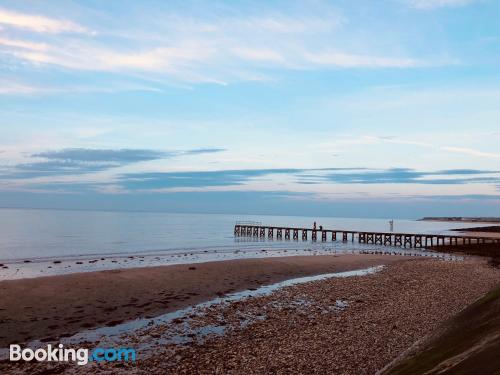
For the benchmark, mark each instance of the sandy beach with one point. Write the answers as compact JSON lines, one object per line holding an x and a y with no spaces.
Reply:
{"x":489,"y":231}
{"x":383,"y":315}
{"x":352,"y":325}
{"x":48,"y":308}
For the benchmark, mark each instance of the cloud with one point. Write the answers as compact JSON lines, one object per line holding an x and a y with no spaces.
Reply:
{"x":218,"y":47}
{"x":432,"y":4}
{"x":472,"y":152}
{"x":15,"y":88}
{"x":10,"y":87}
{"x":182,"y":61}
{"x":197,"y":151}
{"x":259,"y":54}
{"x":204,"y":60}
{"x":79,"y":161}
{"x":345,"y":60}
{"x":40,"y":24}
{"x":23,"y":44}
{"x":401,"y":176}
{"x":196,"y":179}
{"x":67,"y":175}
{"x":459,"y":197}
{"x":56,"y":168}
{"x":200,"y":179}
{"x":199,"y":61}
{"x":123,"y":156}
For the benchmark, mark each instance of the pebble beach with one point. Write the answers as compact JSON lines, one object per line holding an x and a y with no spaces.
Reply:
{"x":346,"y":325}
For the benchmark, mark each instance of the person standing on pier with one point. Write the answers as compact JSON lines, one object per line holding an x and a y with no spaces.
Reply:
{"x":314,"y":226}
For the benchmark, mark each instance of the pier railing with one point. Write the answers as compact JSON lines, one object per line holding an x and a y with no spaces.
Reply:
{"x":249,"y":222}
{"x":410,"y":240}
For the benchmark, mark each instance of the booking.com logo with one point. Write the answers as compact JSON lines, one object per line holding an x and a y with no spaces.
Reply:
{"x":82,"y":356}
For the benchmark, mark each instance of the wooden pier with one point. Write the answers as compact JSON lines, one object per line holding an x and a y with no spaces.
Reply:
{"x":410,"y":240}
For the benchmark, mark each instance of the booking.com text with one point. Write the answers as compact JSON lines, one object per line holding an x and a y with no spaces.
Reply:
{"x":81,"y":356}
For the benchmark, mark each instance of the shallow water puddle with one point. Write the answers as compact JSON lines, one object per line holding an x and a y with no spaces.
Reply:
{"x":31,"y":268}
{"x":176,"y":325}
{"x":186,"y":332}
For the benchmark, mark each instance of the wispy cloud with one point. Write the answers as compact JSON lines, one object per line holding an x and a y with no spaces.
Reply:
{"x":404,"y":176}
{"x":259,"y":54}
{"x":198,"y":151}
{"x":346,"y":60}
{"x":432,"y":4}
{"x":93,"y":155}
{"x":13,"y":87}
{"x":39,"y":23}
{"x":472,"y":152}
{"x":227,"y":46}
{"x":23,"y":44}
{"x":80,"y":161}
{"x":203,"y":179}
{"x":199,"y":61}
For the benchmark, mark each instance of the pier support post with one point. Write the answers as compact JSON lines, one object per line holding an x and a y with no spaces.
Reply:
{"x":418,"y":241}
{"x":344,"y":236}
{"x":387,"y":239}
{"x":407,"y":240}
{"x":398,"y":240}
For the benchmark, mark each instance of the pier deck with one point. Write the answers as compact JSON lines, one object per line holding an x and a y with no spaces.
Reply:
{"x":410,"y":240}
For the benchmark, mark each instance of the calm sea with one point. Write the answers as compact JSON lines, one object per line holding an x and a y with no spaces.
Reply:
{"x":45,"y":234}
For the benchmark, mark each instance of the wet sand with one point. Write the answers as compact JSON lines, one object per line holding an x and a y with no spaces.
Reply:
{"x":306,"y":330}
{"x":491,"y":231}
{"x":48,"y":308}
{"x":352,"y":325}
{"x":481,"y":234}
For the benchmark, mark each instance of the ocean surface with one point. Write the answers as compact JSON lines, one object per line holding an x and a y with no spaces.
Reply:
{"x":34,"y":234}
{"x":31,"y":237}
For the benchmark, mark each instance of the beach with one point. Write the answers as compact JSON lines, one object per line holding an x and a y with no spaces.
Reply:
{"x":47,"y":308}
{"x":355,"y":324}
{"x":249,"y":188}
{"x":489,"y":231}
{"x":382,"y":315}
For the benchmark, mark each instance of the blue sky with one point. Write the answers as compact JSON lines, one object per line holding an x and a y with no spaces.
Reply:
{"x":342,"y":108}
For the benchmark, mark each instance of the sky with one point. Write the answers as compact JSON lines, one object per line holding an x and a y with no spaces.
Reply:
{"x":360,"y":108}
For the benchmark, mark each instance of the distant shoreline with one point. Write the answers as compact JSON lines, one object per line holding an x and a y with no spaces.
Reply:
{"x":460,"y":219}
